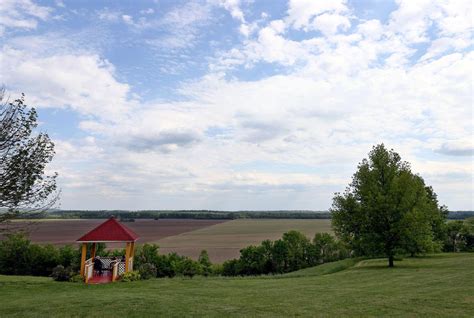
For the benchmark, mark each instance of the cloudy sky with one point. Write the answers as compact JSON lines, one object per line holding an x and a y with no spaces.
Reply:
{"x":242,"y":104}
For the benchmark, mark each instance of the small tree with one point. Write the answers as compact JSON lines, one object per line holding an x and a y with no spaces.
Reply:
{"x":456,"y":240}
{"x":386,"y":209}
{"x":326,"y":248}
{"x":205,"y":263}
{"x":298,"y":249}
{"x":24,"y":187}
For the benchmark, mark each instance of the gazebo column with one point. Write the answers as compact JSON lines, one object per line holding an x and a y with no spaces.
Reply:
{"x":93,"y":250}
{"x":132,"y":253}
{"x":127,"y":256}
{"x":83,"y":257}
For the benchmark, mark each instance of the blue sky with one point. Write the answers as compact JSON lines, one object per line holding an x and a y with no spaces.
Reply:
{"x":242,"y":104}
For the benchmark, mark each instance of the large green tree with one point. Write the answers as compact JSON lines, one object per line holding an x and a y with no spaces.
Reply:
{"x":387,"y":209}
{"x":24,"y":154}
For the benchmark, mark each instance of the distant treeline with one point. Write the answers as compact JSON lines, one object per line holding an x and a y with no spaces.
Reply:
{"x":208,"y":214}
{"x":188,"y":214}
{"x":460,"y":215}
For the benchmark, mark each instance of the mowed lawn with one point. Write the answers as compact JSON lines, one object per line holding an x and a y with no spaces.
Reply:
{"x":224,"y":241}
{"x":435,"y":286}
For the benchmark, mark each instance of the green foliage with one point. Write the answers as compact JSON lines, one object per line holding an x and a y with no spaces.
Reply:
{"x":298,"y":246}
{"x":147,"y":271}
{"x":231,"y":267}
{"x":292,"y":252}
{"x":172,"y":264}
{"x":147,"y":254}
{"x":459,"y":236}
{"x":387,"y":209}
{"x":186,"y":267}
{"x":25,"y":189}
{"x":205,"y":263}
{"x":43,"y":258}
{"x":130,"y":276}
{"x":77,"y":278}
{"x":19,"y":257}
{"x":69,"y":256}
{"x":15,"y":255}
{"x":217,"y":269}
{"x":62,"y":274}
{"x":469,"y":234}
{"x":327,"y":249}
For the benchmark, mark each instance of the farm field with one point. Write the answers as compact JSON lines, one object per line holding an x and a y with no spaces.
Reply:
{"x":223,"y":241}
{"x":61,"y":232}
{"x":436,"y":286}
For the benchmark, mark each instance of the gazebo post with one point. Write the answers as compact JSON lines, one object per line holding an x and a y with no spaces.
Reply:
{"x":93,"y":250}
{"x":127,"y":256}
{"x":132,"y":253}
{"x":83,"y":258}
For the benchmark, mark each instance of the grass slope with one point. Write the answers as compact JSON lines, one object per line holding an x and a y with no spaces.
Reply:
{"x":436,"y":286}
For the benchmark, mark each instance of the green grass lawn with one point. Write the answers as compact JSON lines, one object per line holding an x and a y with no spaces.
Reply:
{"x":435,"y":286}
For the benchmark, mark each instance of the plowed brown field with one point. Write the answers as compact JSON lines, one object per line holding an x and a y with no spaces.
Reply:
{"x":61,"y":232}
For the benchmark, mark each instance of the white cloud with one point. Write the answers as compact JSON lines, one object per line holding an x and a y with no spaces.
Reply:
{"x":233,"y":6}
{"x":21,"y":14}
{"x":371,"y":29}
{"x":147,"y":11}
{"x":301,"y":13}
{"x":84,"y":83}
{"x":329,"y":24}
{"x":109,"y":15}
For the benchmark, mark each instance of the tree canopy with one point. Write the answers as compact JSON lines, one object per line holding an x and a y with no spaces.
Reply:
{"x":24,"y":154}
{"x":387,"y":209}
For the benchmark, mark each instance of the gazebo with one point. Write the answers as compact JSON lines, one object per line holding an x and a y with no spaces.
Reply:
{"x":111,"y":231}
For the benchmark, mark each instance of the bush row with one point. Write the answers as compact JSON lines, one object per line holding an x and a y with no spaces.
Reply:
{"x":19,"y":257}
{"x":292,"y":252}
{"x":152,"y":264}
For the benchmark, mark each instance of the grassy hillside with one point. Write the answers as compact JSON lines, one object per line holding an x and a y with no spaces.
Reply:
{"x":436,"y":286}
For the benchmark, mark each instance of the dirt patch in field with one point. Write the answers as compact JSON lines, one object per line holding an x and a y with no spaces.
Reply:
{"x":61,"y":232}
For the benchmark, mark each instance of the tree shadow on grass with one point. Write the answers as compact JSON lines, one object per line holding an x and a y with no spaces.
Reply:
{"x":382,"y":264}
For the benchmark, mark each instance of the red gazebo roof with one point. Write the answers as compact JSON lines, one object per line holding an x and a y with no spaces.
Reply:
{"x":110,"y":231}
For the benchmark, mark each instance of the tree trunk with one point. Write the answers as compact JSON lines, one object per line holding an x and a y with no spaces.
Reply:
{"x":390,"y":261}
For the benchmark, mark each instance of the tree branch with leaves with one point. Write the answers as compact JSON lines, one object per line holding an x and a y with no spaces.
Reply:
{"x":25,"y":188}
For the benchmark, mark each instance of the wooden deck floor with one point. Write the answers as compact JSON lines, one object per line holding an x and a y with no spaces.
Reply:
{"x":106,"y":277}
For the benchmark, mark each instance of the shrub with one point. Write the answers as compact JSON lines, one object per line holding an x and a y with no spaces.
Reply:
{"x":205,"y":263}
{"x":147,"y":271}
{"x":76,"y":279}
{"x":166,"y":264}
{"x":130,"y":276}
{"x":186,"y":267}
{"x":15,"y":255}
{"x":62,"y":274}
{"x":217,"y":269}
{"x":43,"y":258}
{"x":230,"y":267}
{"x":69,"y":256}
{"x":147,"y":254}
{"x":327,"y":249}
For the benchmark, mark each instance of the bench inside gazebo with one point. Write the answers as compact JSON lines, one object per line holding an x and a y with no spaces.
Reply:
{"x":111,"y":231}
